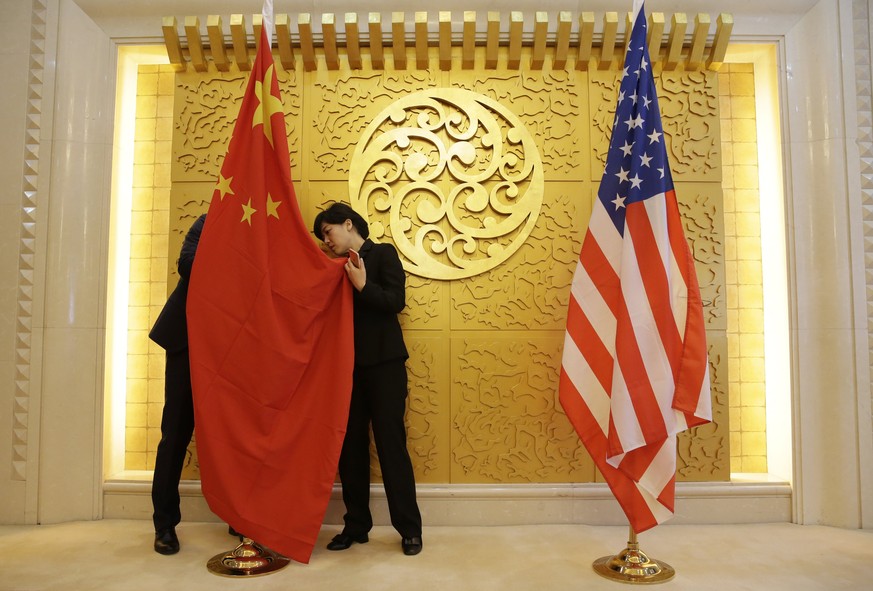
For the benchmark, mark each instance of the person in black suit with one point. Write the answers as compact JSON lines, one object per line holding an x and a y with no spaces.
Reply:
{"x":379,"y":384}
{"x":177,"y":422}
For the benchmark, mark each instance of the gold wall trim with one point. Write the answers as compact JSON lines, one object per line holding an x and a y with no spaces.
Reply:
{"x":550,"y":35}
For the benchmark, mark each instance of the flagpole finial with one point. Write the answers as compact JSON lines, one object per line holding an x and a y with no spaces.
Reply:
{"x":638,"y":6}
{"x":267,"y":20}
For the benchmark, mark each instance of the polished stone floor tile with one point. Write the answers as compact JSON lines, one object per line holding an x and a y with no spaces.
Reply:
{"x":117,"y":555}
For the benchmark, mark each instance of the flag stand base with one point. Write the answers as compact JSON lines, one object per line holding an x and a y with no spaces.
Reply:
{"x":631,"y":565}
{"x":249,"y":559}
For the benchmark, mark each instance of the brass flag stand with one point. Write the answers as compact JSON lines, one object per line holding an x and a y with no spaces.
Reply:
{"x":249,"y":559}
{"x":631,"y":565}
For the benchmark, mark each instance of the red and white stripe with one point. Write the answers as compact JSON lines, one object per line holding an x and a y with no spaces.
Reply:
{"x":635,"y":370}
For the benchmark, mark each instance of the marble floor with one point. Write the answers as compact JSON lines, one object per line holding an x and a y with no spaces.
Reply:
{"x":117,"y":555}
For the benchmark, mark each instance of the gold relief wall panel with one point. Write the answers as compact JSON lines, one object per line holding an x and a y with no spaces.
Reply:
{"x":552,"y":104}
{"x":428,"y":419}
{"x":187,"y":202}
{"x":689,"y":112}
{"x":531,"y":290}
{"x":206,"y":107}
{"x":703,"y":453}
{"x":427,"y":304}
{"x":485,"y":350}
{"x":428,"y":409}
{"x":701,"y":207}
{"x":602,"y":95}
{"x":507,"y":423}
{"x":342,"y":103}
{"x":689,"y":104}
{"x":314,"y":196}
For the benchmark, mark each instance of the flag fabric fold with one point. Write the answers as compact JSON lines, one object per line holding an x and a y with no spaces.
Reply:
{"x":271,"y":339}
{"x":635,"y":371}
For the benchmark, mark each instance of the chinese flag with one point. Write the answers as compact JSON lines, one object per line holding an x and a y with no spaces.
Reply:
{"x":270,"y":337}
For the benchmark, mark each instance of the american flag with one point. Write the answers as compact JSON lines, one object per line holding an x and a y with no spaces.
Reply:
{"x":635,"y":370}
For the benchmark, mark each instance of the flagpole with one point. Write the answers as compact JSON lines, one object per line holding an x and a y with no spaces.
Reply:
{"x":250,"y":559}
{"x":635,"y":370}
{"x":632,"y":565}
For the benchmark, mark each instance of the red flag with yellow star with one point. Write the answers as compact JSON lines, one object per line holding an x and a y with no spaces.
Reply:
{"x":270,"y":337}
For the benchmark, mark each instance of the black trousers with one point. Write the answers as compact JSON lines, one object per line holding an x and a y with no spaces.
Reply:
{"x":378,"y":397}
{"x":177,"y":426}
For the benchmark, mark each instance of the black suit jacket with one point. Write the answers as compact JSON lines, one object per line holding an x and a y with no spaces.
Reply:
{"x":171,"y":328}
{"x":378,"y":337}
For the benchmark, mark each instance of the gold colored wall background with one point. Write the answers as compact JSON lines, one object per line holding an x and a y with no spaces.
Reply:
{"x":745,"y":297}
{"x":150,"y":217}
{"x":485,"y":350}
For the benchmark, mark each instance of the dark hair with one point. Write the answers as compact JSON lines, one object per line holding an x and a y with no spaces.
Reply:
{"x":337,"y":213}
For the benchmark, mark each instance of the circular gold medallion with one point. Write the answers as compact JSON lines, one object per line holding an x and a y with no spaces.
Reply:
{"x":452,"y":178}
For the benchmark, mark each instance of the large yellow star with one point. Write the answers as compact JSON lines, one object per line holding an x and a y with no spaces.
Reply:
{"x":273,"y":207}
{"x":223,"y":186}
{"x":248,"y":210}
{"x":269,"y":104}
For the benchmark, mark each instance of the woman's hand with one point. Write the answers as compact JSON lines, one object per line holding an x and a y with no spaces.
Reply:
{"x":357,"y":275}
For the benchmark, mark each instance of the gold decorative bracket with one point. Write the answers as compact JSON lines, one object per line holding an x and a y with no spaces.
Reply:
{"x":549,"y":35}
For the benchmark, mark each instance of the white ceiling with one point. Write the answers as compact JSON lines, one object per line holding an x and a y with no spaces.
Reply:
{"x":103,"y":8}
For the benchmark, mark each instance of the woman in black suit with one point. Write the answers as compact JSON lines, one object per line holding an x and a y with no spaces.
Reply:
{"x":379,"y":388}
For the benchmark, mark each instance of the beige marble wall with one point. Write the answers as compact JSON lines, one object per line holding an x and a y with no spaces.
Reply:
{"x":15,"y":33}
{"x":826,"y":387}
{"x":67,"y":217}
{"x":861,"y":182}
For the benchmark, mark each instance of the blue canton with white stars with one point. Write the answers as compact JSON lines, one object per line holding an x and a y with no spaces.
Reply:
{"x":636,"y":165}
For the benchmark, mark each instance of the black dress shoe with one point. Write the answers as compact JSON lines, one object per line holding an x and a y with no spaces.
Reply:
{"x":166,"y":541}
{"x":344,"y":541}
{"x":233,"y":532}
{"x":411,"y":546}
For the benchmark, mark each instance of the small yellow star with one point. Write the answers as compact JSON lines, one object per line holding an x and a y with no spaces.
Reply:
{"x":223,"y":186}
{"x":248,"y":210}
{"x":269,"y":104}
{"x":272,"y":207}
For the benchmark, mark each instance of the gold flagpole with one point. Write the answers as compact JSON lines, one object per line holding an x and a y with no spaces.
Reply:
{"x":632,"y":565}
